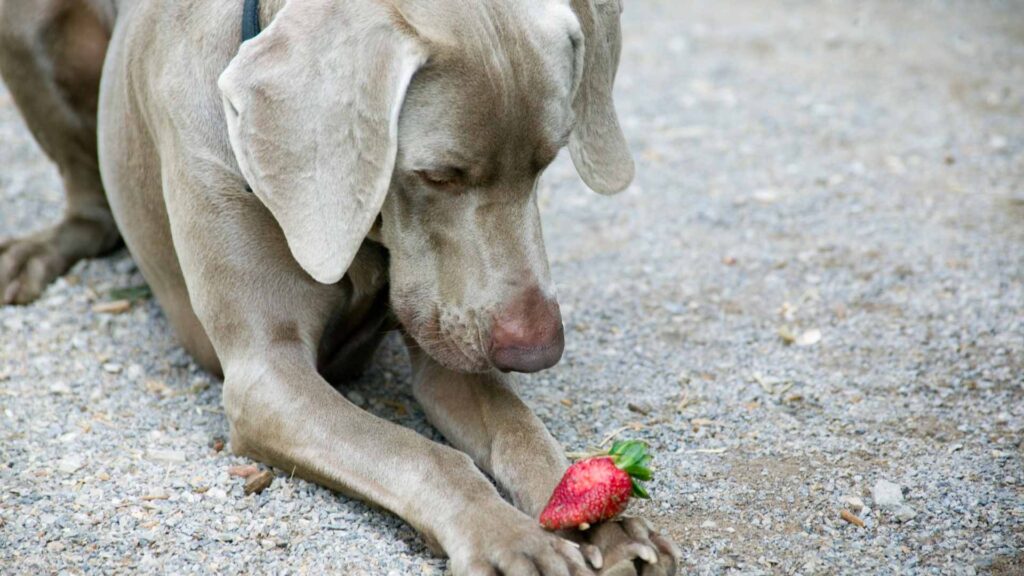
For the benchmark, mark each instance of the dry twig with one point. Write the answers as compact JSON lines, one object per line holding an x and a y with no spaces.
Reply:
{"x":851,"y":518}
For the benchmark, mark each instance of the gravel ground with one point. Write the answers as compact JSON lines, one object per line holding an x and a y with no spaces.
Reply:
{"x":848,"y":175}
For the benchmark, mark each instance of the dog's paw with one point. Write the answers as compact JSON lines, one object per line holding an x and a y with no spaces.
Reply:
{"x":517,"y":547}
{"x":628,"y":547}
{"x":27,"y":266}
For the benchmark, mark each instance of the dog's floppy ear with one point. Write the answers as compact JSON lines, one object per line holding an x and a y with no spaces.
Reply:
{"x":312,"y":108}
{"x":597,"y":145}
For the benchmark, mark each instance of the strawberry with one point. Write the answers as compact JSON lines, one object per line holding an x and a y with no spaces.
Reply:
{"x":598,"y":488}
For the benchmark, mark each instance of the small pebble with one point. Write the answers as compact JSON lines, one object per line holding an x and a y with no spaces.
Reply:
{"x":166,"y":456}
{"x":853,"y":503}
{"x":887,"y":495}
{"x":55,"y":546}
{"x":112,"y":368}
{"x":70,"y":464}
{"x":641,"y":408}
{"x":905,"y":513}
{"x":158,"y":494}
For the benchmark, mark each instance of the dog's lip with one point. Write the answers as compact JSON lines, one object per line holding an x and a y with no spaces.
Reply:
{"x":443,"y":350}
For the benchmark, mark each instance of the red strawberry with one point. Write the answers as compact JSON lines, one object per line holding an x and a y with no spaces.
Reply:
{"x":598,"y":488}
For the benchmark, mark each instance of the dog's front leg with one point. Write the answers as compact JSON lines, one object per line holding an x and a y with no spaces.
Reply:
{"x":480,"y":414}
{"x":265,"y":317}
{"x":283,"y":413}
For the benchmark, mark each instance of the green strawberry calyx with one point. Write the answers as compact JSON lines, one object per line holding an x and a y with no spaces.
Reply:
{"x":631,"y":457}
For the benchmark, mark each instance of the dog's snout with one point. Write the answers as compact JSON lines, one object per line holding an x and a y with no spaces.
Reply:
{"x":527,"y":334}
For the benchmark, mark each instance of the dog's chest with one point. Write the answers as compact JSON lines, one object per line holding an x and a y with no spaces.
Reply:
{"x":358,"y":325}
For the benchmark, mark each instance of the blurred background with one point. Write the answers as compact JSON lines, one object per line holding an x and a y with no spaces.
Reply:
{"x":811,"y":301}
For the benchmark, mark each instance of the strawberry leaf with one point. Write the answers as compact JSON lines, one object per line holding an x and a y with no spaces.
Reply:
{"x":628,"y":453}
{"x":635,"y":452}
{"x":639,"y":472}
{"x":638,"y":490}
{"x":619,"y":447}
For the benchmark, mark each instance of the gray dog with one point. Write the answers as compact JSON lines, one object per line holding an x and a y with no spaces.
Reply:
{"x":286,"y":197}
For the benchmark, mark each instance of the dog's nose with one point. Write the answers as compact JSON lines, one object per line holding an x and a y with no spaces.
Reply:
{"x":527,"y":334}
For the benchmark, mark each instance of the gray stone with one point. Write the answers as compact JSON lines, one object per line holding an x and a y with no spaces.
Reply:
{"x":70,"y":464}
{"x":905,"y":513}
{"x":887,"y":495}
{"x":166,"y":456}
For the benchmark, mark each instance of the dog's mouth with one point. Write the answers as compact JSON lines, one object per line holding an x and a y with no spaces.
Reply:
{"x":456,"y":341}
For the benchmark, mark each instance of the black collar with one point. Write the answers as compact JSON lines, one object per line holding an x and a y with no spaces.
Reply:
{"x":250,"y":19}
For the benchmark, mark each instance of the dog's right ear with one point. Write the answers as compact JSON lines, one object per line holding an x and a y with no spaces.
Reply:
{"x":312,"y":108}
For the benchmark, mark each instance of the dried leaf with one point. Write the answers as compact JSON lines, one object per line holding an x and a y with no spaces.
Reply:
{"x":398,"y":407}
{"x":243,"y":471}
{"x":258,"y":482}
{"x":132,"y":293}
{"x":685,"y":402}
{"x":157,"y":387}
{"x":698,"y":423}
{"x":112,"y":307}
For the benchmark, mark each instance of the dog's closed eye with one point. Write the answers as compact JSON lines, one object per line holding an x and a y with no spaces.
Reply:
{"x":442,"y":179}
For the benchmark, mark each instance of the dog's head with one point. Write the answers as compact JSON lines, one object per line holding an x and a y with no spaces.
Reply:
{"x":438,"y":117}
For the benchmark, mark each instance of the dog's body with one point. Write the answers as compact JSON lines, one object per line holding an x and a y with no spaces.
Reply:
{"x":392,"y":149}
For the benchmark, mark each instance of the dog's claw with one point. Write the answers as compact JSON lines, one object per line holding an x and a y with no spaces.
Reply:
{"x":593,"y":555}
{"x":629,"y":547}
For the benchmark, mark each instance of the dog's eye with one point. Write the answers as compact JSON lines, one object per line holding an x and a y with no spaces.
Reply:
{"x":440,"y":178}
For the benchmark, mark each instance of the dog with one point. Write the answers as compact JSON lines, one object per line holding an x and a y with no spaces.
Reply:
{"x":356,"y":167}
